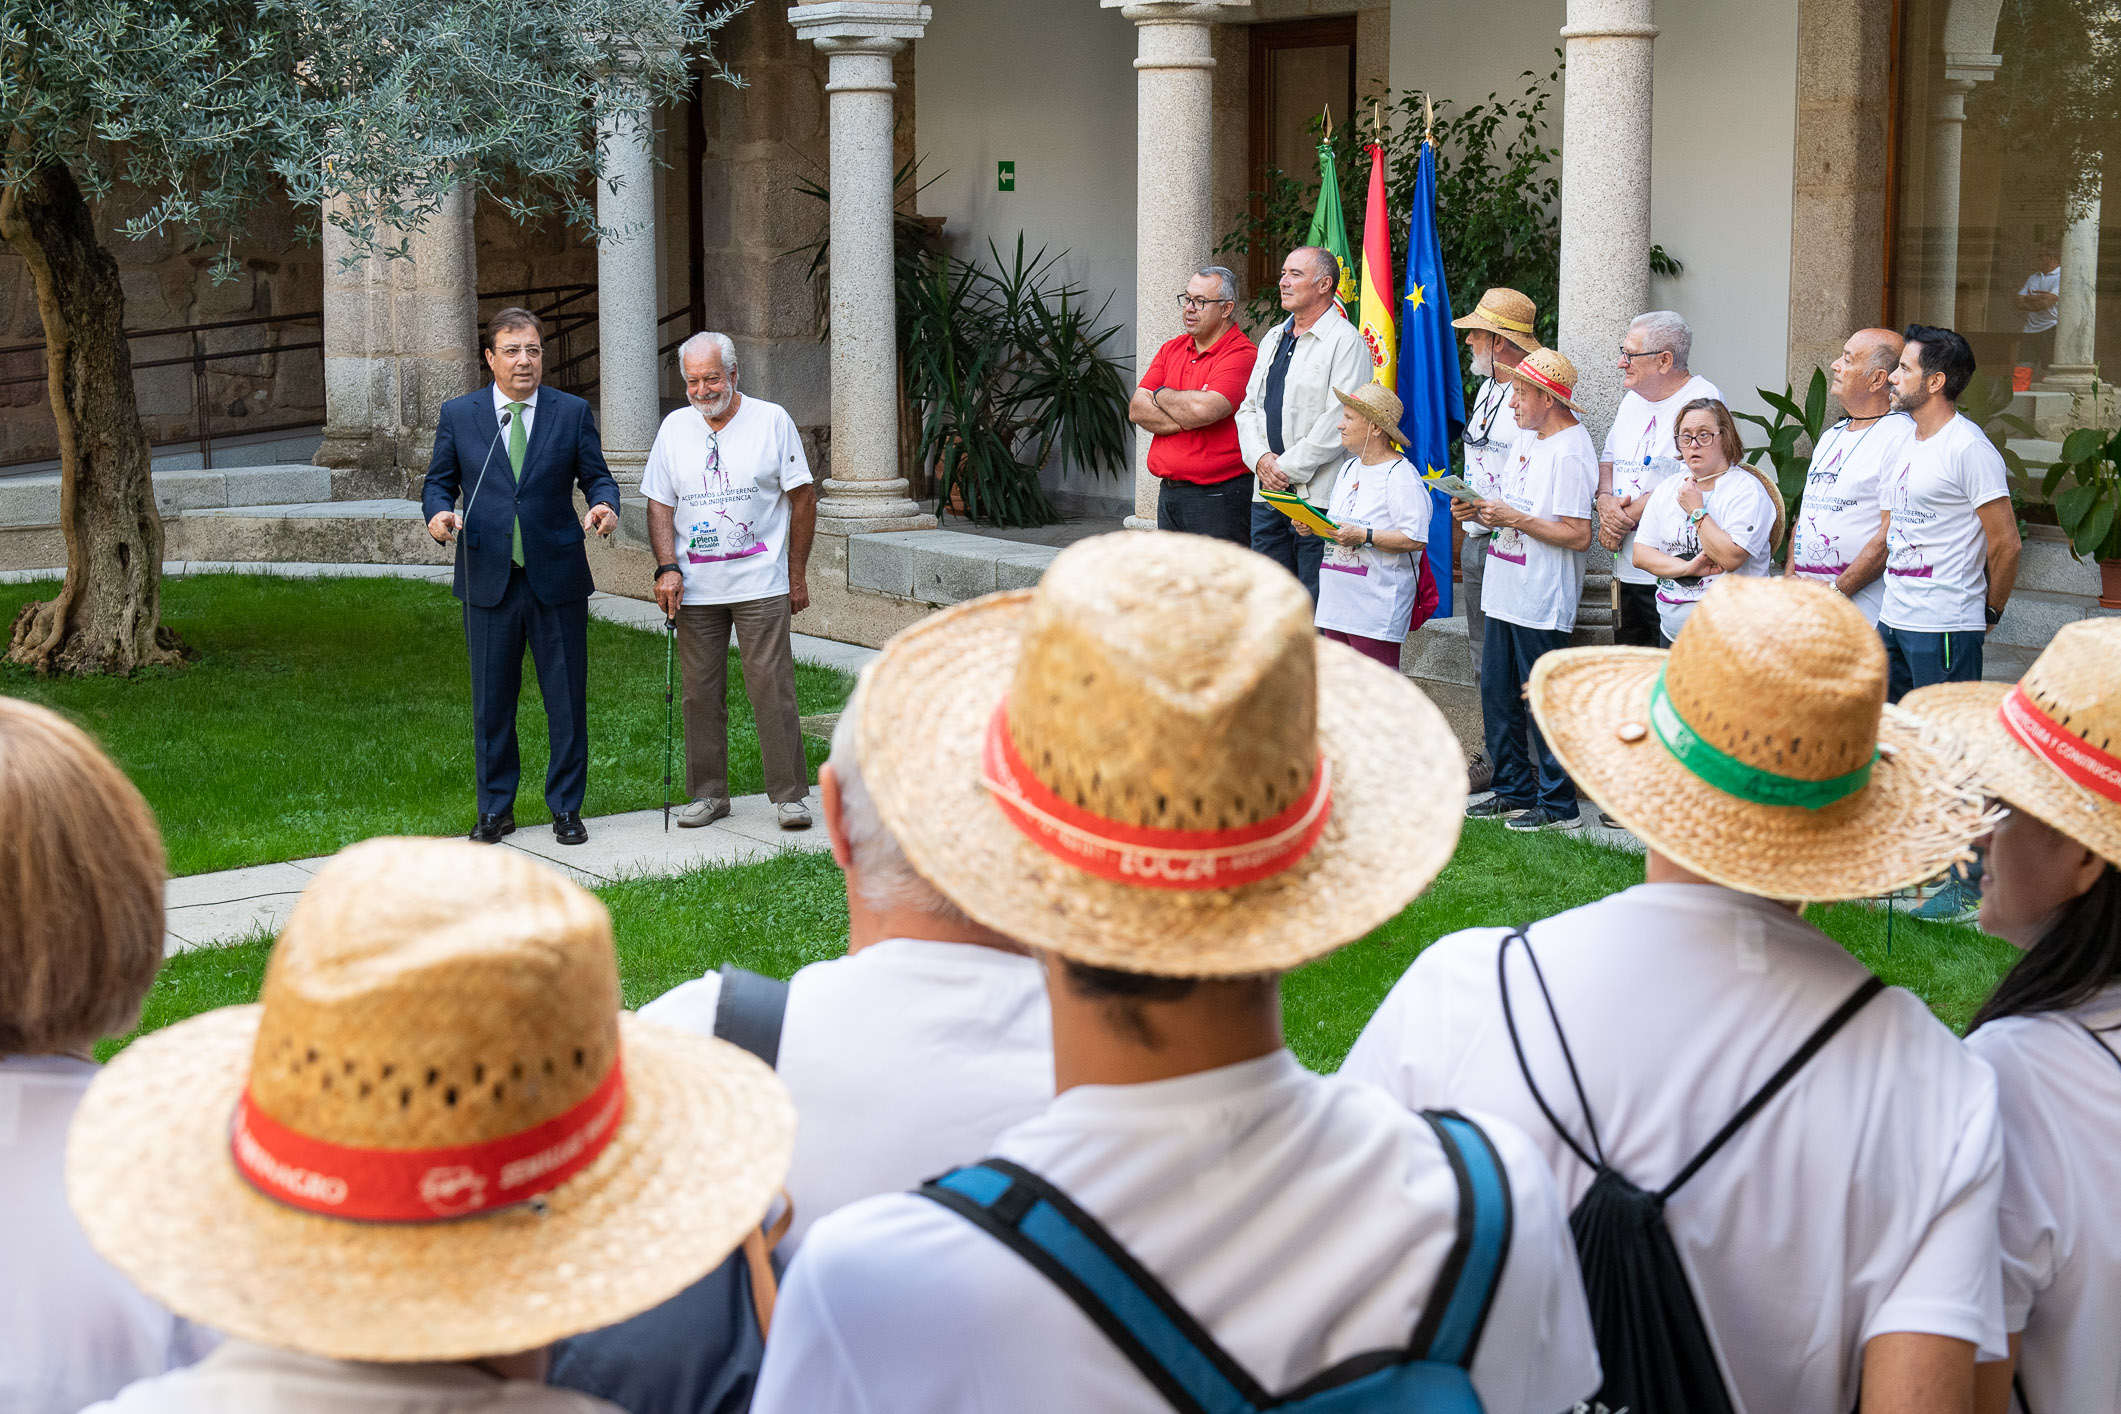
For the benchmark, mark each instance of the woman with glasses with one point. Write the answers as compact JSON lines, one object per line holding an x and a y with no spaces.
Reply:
{"x":1708,"y":521}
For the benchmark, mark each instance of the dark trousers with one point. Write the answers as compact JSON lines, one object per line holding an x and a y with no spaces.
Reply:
{"x":558,"y":638}
{"x":1522,"y":777}
{"x":766,"y":656}
{"x":1915,"y":660}
{"x":1274,"y":535}
{"x":1638,"y":626}
{"x":1222,"y":509}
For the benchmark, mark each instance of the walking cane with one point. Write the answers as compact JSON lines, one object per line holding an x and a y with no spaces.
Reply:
{"x":670,"y":645}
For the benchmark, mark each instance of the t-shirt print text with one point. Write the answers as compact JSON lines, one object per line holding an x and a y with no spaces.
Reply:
{"x":1904,"y":555}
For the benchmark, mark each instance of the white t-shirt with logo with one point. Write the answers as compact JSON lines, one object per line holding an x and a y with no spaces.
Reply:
{"x":730,"y":493}
{"x":904,"y":1059}
{"x":1839,"y":514}
{"x":2046,"y":282}
{"x":1860,"y":1201}
{"x":2058,"y":1089}
{"x":1490,"y":429}
{"x":1301,"y":1219}
{"x":1739,"y":505}
{"x":1526,"y":581}
{"x":1362,"y":589}
{"x":1936,"y":551}
{"x":1641,"y":448}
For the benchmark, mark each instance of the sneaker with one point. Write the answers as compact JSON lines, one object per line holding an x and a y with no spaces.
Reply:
{"x":1541,"y":819}
{"x":794,"y":815}
{"x":1493,"y":807}
{"x":694,"y":814}
{"x":1957,"y":902}
{"x":1479,"y":771}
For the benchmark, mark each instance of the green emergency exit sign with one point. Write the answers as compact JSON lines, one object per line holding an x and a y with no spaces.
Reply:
{"x":1005,"y":176}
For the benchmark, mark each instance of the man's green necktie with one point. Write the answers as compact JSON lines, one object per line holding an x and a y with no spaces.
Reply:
{"x":517,"y":439}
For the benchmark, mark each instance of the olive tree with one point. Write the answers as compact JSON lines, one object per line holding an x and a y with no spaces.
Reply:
{"x":370,"y":110}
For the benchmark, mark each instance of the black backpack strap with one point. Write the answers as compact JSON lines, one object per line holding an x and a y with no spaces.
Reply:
{"x":1856,"y":1002}
{"x":1071,"y":1249}
{"x":749,"y":1011}
{"x":1595,"y":1157}
{"x":2101,"y":1044}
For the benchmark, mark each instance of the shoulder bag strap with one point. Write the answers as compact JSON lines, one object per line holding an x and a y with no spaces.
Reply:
{"x":1595,"y":1157}
{"x":2099,"y":1043}
{"x":1457,"y":1309}
{"x":1071,"y":1249}
{"x":1856,"y":1002}
{"x":750,"y":1010}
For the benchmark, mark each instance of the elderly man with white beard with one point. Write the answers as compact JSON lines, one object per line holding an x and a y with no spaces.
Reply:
{"x":731,"y":514}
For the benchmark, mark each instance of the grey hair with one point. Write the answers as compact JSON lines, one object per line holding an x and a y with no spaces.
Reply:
{"x":1665,"y":329}
{"x":1228,"y":278}
{"x":1324,"y":263}
{"x":888,"y":878}
{"x":698,"y":344}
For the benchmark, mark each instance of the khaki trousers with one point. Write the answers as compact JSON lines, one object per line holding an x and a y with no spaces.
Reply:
{"x":761,"y":627}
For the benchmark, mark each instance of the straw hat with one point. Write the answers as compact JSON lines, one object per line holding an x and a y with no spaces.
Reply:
{"x":1505,"y":312}
{"x":1549,"y":371}
{"x":1759,"y":751}
{"x":2051,"y":744}
{"x":1380,"y":407}
{"x":1151,"y":762}
{"x":342,"y":1169}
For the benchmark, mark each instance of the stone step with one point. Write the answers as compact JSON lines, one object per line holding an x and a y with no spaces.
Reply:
{"x":32,"y":501}
{"x":2047,"y":565}
{"x":385,"y":531}
{"x":942,"y":566}
{"x":2033,"y":617}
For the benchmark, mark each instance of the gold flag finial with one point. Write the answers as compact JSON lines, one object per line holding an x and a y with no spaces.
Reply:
{"x":1329,"y":122}
{"x":1428,"y":119}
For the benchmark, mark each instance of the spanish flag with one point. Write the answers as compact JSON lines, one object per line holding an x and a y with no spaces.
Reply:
{"x":1375,"y":319}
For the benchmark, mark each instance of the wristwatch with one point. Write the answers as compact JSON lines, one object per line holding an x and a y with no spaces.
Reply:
{"x":1993,"y":614}
{"x":1697,"y":515}
{"x":1369,"y":536}
{"x":661,"y":570}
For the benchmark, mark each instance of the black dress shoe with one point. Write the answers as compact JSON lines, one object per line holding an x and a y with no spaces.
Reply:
{"x":567,"y":828}
{"x":491,"y":827}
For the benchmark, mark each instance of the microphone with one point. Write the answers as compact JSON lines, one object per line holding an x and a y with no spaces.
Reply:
{"x":507,"y":416}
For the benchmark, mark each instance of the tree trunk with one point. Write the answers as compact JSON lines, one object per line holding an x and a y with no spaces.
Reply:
{"x":107,"y":618}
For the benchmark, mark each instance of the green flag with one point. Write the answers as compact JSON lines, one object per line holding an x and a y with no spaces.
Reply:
{"x":1328,"y":227}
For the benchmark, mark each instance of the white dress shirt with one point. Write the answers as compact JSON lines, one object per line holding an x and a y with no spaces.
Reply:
{"x":1330,"y":356}
{"x":73,"y":1329}
{"x":501,"y":401}
{"x":1299,"y":1218}
{"x":1861,"y":1201}
{"x":905,"y":1059}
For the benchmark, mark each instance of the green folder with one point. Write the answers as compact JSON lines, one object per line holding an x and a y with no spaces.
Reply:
{"x":1305,"y":514}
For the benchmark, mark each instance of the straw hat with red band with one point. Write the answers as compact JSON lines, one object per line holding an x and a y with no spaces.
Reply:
{"x":2049,"y":744}
{"x":1505,"y":312}
{"x":1759,"y":752}
{"x":1153,"y":763}
{"x":1550,"y":372}
{"x":436,"y":1137}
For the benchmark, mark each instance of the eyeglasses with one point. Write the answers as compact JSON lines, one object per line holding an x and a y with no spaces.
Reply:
{"x":520,"y":351}
{"x":1698,"y":439}
{"x":1194,"y":302}
{"x":1631,"y":356}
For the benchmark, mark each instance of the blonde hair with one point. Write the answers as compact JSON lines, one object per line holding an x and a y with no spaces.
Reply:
{"x":81,"y":873}
{"x":1734,"y":452}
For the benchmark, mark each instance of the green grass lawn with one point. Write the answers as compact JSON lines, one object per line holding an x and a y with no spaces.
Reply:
{"x":778,"y":915}
{"x":320,"y":712}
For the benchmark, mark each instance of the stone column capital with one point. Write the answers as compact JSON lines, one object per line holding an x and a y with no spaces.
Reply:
{"x":859,"y":26}
{"x":1177,"y":12}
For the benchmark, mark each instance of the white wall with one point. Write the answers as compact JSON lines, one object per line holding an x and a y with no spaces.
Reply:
{"x":1049,"y":85}
{"x":1723,"y":166}
{"x":1725,"y":116}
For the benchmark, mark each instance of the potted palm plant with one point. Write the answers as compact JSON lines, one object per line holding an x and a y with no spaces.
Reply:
{"x":2090,"y":510}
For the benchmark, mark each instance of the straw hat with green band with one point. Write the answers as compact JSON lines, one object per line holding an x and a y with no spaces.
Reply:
{"x":1759,"y":752}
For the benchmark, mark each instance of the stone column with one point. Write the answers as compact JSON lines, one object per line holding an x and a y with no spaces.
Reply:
{"x":2076,"y":315}
{"x":1605,"y":225}
{"x":1967,"y":24}
{"x":1605,"y":192}
{"x":401,"y":337}
{"x":864,"y":491}
{"x":629,"y":409}
{"x":1174,"y":171}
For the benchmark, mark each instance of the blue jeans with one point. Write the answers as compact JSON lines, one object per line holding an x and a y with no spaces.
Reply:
{"x":1915,"y":659}
{"x":1274,"y":535}
{"x":1523,"y":777}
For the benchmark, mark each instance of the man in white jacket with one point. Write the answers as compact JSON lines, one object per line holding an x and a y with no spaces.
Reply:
{"x":1288,"y":428}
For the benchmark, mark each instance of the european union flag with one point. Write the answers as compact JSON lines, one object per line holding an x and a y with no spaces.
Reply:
{"x":1430,"y":388}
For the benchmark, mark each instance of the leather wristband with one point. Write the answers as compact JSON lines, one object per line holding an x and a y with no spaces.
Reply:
{"x":661,"y":570}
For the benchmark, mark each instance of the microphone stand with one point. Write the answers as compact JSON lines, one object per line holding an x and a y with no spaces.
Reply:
{"x":507,"y":416}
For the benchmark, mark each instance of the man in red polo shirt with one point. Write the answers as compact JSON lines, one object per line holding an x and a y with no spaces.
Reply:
{"x":1187,"y":402}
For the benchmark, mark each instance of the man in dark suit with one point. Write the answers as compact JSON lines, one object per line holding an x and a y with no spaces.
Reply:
{"x":516,"y":452}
